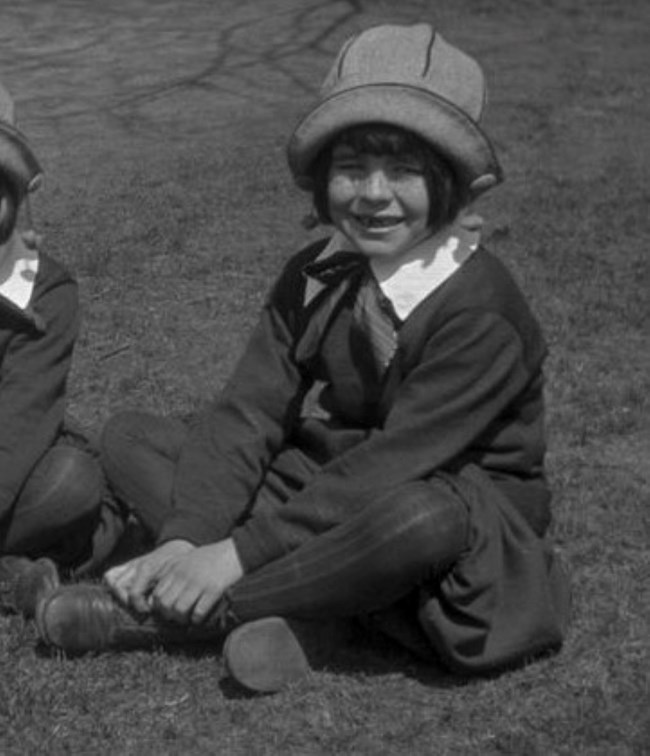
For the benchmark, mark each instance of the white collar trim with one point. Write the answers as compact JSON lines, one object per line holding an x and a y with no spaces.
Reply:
{"x":18,"y":269}
{"x":408,"y":281}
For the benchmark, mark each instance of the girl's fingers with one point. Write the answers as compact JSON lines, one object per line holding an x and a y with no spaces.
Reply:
{"x":202,"y":608}
{"x":119,"y":581}
{"x":173,"y":600}
{"x":139,"y":593}
{"x":115,"y":574}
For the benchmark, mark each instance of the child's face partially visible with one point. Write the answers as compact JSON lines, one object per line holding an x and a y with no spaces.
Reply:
{"x":380,"y":202}
{"x":7,"y":211}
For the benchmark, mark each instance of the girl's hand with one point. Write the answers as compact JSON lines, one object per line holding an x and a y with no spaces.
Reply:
{"x":133,"y":582}
{"x":190,"y":586}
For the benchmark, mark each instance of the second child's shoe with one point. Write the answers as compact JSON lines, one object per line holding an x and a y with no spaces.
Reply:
{"x":26,"y":581}
{"x":86,"y":617}
{"x":34,"y":584}
{"x":268,"y":654}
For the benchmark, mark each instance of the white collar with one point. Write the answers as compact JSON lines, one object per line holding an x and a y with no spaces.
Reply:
{"x":421,"y":271}
{"x":18,"y":269}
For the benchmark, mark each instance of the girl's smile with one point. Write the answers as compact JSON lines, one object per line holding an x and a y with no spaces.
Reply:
{"x":378,"y":222}
{"x":380,"y":202}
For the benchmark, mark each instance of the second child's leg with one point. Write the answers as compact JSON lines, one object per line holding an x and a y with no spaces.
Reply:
{"x":51,"y":525}
{"x":60,"y":499}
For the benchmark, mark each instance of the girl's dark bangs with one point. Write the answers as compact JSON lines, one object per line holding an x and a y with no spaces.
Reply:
{"x":381,"y":139}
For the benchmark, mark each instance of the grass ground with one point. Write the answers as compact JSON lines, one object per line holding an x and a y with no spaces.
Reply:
{"x":162,"y":126}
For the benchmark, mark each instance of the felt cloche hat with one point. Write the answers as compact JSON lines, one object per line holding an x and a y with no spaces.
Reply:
{"x":17,"y":160}
{"x":406,"y":76}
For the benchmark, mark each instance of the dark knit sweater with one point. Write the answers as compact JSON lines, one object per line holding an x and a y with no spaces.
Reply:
{"x":464,"y":387}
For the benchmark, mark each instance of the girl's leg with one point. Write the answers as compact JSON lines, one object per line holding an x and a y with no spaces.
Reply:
{"x":377,"y":557}
{"x":380,"y":555}
{"x":370,"y":566}
{"x":139,"y":454}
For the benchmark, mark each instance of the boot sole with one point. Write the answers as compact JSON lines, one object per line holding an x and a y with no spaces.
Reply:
{"x":265,"y":655}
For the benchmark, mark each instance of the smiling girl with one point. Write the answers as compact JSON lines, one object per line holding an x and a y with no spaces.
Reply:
{"x":377,"y":184}
{"x":379,"y":450}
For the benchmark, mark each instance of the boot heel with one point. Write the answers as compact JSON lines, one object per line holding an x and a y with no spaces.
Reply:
{"x":266,"y":655}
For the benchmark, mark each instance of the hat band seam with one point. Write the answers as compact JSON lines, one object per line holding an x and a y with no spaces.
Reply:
{"x":483,"y":144}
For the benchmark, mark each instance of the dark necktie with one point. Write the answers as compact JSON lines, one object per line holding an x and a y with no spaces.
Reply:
{"x":374,"y":314}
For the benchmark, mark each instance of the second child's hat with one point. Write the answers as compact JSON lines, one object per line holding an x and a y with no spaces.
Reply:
{"x":406,"y":76}
{"x":17,"y":160}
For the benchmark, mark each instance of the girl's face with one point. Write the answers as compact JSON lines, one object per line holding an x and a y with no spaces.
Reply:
{"x":380,"y":202}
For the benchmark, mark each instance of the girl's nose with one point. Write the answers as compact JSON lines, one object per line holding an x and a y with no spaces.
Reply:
{"x":376,"y":186}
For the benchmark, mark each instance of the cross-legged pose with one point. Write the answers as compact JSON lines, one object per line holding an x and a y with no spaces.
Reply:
{"x":51,"y":514}
{"x":379,"y":449}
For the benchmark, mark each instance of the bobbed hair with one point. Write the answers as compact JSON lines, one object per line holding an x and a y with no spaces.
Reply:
{"x":446,"y":195}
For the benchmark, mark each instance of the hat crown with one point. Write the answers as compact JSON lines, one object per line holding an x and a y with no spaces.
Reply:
{"x":413,"y":56}
{"x":408,"y":77}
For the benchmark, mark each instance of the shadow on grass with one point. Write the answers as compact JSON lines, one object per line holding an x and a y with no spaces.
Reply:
{"x":351,"y":651}
{"x":362,"y":653}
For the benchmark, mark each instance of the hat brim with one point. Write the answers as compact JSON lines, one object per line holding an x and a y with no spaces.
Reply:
{"x":432,"y":118}
{"x":17,"y":159}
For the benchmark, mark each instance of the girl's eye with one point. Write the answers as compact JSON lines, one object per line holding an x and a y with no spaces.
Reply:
{"x":408,"y":169}
{"x":346,"y":165}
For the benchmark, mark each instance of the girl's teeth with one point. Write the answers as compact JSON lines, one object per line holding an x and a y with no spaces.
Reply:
{"x":378,"y":222}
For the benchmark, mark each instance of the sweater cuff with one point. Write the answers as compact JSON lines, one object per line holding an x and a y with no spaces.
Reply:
{"x":256,"y":544}
{"x":190,"y":529}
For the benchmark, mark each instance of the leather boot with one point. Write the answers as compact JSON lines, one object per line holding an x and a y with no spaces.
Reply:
{"x":86,"y":617}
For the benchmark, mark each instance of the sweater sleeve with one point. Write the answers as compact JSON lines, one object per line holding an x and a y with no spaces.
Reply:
{"x":33,"y":375}
{"x":224,"y":460}
{"x":470,"y":371}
